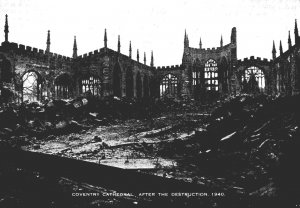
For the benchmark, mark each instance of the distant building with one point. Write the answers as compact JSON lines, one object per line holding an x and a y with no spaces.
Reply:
{"x":34,"y":74}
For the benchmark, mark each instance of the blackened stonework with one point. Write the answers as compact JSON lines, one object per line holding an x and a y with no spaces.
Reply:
{"x":33,"y":74}
{"x":102,"y":72}
{"x":198,"y":63}
{"x":114,"y":70}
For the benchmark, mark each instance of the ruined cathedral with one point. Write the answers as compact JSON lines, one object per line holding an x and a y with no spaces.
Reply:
{"x":32,"y":74}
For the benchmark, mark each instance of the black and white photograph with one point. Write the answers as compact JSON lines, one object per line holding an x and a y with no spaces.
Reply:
{"x":139,"y":104}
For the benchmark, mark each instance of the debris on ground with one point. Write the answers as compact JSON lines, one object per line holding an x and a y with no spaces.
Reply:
{"x":244,"y":145}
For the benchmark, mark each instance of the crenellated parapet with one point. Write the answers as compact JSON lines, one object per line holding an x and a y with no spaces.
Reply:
{"x":208,"y":50}
{"x":169,"y":68}
{"x":228,"y":51}
{"x":111,"y":53}
{"x":254,"y":61}
{"x":31,"y":52}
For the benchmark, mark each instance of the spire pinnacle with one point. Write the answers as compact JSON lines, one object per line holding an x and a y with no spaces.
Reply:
{"x":186,"y":39}
{"x":138,"y":56}
{"x":289,"y":40}
{"x":105,"y":39}
{"x":200,"y":44}
{"x":233,"y":35}
{"x":274,"y":50}
{"x":221,"y":41}
{"x":6,"y":31}
{"x":119,"y":44}
{"x":152,"y":59}
{"x":280,"y":48}
{"x":130,"y":50}
{"x":145,"y":58}
{"x":48,"y":42}
{"x":75,"y":48}
{"x":296,"y":32}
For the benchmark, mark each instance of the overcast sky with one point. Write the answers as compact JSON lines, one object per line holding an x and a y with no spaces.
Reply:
{"x":156,"y":25}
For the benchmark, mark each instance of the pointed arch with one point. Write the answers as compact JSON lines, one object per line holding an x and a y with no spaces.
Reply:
{"x":129,"y":83}
{"x":117,"y":80}
{"x":253,"y":80}
{"x":196,"y":73}
{"x":91,"y":84}
{"x":138,"y":85}
{"x":224,"y":74}
{"x":153,"y":87}
{"x":32,"y":86}
{"x":63,"y":86}
{"x":211,"y":75}
{"x":169,"y":86}
{"x":146,"y":86}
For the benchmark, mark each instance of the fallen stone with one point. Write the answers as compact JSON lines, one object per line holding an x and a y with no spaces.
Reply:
{"x":36,"y":146}
{"x":61,"y":125}
{"x":51,"y":137}
{"x":97,"y":139}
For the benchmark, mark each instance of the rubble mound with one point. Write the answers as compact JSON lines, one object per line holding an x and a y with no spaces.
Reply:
{"x":253,"y":142}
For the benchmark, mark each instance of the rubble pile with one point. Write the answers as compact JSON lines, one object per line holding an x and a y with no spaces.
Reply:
{"x":245,"y":145}
{"x":249,"y":146}
{"x":55,"y":117}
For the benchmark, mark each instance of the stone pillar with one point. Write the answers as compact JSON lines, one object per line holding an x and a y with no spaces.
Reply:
{"x":123,"y":84}
{"x":296,"y":66}
{"x":142,"y":81}
{"x":106,"y":77}
{"x":134,"y":85}
{"x":185,"y":85}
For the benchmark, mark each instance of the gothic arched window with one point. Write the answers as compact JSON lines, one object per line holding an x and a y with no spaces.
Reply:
{"x":31,"y":86}
{"x":196,"y":73}
{"x":211,"y":75}
{"x":254,"y":79}
{"x":91,"y":84}
{"x":169,"y":86}
{"x":63,"y":85}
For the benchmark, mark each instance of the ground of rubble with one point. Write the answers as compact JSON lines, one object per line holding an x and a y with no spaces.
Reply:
{"x":245,"y":145}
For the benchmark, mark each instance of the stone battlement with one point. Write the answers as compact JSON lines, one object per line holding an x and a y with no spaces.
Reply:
{"x":28,"y":50}
{"x":92,"y":53}
{"x":172,"y":67}
{"x":110,"y":51}
{"x":209,"y":50}
{"x":253,"y":59}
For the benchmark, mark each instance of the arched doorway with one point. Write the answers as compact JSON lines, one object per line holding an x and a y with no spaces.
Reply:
{"x":117,"y":80}
{"x":169,"y":86}
{"x":32,"y":85}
